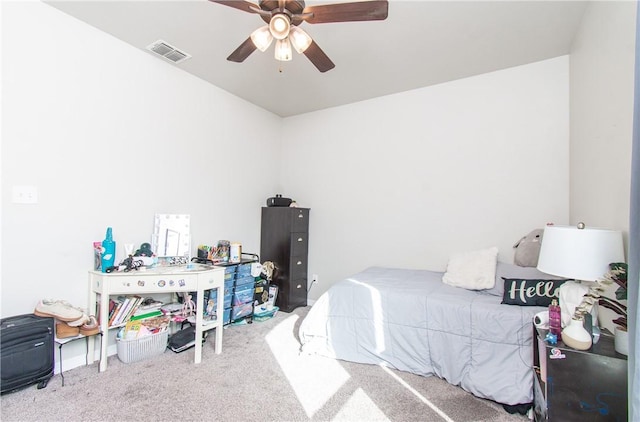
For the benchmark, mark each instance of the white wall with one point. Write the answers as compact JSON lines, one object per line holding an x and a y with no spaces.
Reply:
{"x":602,"y":62}
{"x":406,"y":180}
{"x":110,"y":136}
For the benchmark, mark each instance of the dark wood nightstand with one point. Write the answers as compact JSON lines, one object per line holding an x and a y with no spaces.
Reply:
{"x":575,"y":385}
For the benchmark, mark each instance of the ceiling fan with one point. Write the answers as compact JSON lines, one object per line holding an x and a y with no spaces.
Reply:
{"x":283,"y":18}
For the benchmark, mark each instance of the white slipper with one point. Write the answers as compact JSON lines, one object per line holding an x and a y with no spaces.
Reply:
{"x":84,"y":319}
{"x":91,"y":327}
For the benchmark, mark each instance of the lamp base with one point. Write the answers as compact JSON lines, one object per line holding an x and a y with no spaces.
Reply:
{"x":575,"y":336}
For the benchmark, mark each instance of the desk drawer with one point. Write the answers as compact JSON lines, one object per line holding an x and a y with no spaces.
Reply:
{"x":143,"y":283}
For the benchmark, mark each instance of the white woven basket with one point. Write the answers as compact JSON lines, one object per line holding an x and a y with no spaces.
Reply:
{"x":142,"y":348}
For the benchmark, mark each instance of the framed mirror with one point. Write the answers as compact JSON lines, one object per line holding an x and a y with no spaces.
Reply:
{"x":171,"y":235}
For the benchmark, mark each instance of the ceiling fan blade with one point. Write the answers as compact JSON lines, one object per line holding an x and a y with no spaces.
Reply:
{"x":348,"y":12}
{"x":238,"y":4}
{"x":242,"y":52}
{"x":318,"y":58}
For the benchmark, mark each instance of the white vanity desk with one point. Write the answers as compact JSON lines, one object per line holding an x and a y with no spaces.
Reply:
{"x":192,"y":278}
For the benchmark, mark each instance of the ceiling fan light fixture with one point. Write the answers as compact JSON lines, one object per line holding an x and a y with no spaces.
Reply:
{"x":279,"y":26}
{"x":300,"y":39}
{"x":283,"y":50}
{"x":262,"y":38}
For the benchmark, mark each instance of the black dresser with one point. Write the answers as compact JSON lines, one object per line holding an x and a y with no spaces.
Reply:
{"x":284,"y":241}
{"x":579,"y":385}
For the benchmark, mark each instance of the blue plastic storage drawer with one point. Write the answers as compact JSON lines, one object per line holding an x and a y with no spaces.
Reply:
{"x":241,"y":281}
{"x":241,"y":311}
{"x":230,"y":269}
{"x":228,"y":287}
{"x":244,"y":269}
{"x":213,"y":296}
{"x":229,"y":276}
{"x":243,"y":294}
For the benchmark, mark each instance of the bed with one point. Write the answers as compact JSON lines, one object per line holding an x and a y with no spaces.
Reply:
{"x":412,"y":321}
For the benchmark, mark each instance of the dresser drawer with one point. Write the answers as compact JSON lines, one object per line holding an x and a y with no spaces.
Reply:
{"x":300,"y":220}
{"x":298,"y":267}
{"x":299,"y":244}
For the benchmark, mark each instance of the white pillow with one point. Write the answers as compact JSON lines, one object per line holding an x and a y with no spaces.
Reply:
{"x":474,"y":270}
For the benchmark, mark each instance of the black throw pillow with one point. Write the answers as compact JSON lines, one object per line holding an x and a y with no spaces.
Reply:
{"x":527,"y":292}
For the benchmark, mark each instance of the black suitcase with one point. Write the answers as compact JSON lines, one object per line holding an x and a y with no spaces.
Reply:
{"x":26,"y":351}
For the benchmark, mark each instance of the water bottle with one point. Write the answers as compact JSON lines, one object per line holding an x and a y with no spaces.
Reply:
{"x":555,"y":319}
{"x":108,"y":256}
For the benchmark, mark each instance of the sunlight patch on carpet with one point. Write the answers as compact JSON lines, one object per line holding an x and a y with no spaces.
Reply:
{"x":359,"y":404}
{"x":314,"y":380}
{"x":417,"y":394}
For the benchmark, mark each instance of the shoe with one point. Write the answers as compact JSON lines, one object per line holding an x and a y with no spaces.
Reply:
{"x":90,"y":328}
{"x":58,"y":309}
{"x":84,"y":319}
{"x":65,"y":331}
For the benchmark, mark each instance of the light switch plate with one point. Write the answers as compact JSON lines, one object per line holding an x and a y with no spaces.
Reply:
{"x":25,"y":195}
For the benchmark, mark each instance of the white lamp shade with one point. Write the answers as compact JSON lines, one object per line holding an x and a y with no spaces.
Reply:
{"x":262,"y":38}
{"x":580,"y":254}
{"x":300,"y":39}
{"x":283,"y":50}
{"x":279,"y":26}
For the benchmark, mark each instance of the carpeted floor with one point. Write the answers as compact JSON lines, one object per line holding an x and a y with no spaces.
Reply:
{"x":260,"y":376}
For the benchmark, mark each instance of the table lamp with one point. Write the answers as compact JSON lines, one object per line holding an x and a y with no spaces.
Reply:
{"x":581,"y":254}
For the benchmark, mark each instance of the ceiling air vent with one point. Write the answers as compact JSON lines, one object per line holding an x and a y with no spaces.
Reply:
{"x":168,"y":51}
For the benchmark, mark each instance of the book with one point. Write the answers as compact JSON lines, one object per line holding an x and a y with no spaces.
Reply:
{"x":146,"y":309}
{"x":132,"y":330}
{"x":116,"y":311}
{"x":125,"y":305}
{"x":148,"y":314}
{"x":150,"y":303}
{"x":131,"y":306}
{"x":135,"y":302}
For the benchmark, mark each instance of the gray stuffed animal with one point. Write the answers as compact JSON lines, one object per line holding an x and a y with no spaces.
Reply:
{"x":528,"y":249}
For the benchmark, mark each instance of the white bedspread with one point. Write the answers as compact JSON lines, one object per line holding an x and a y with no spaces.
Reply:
{"x":411,"y":321}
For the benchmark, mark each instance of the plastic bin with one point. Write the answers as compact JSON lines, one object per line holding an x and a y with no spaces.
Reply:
{"x":138,"y":349}
{"x":263,"y":314}
{"x":241,"y":311}
{"x":243,"y":294}
{"x":241,"y":281}
{"x":228,"y":286}
{"x":244,"y":269}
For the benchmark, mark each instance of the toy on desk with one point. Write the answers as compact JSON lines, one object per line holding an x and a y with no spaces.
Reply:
{"x":145,"y":250}
{"x":551,"y":338}
{"x":188,"y":307}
